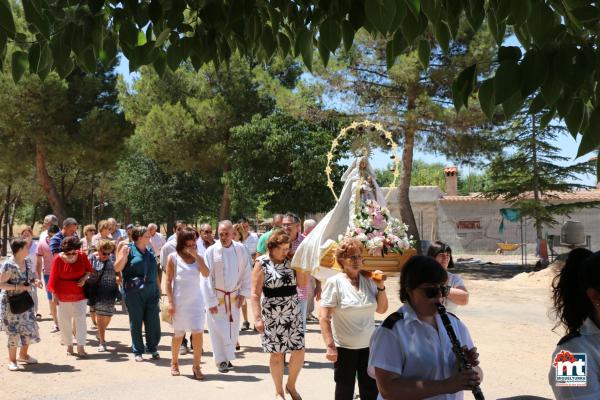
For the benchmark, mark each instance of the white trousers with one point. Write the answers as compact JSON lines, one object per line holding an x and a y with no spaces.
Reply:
{"x":67,"y":312}
{"x":223,"y":333}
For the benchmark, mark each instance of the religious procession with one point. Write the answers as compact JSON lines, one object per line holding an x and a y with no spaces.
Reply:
{"x":348,"y":199}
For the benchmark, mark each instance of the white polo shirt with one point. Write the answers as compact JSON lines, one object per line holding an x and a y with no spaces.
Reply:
{"x":414,"y":349}
{"x":587,"y":342}
{"x":251,"y":242}
{"x":454,"y":281}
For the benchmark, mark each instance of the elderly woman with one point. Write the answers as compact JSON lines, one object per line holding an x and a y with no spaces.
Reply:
{"x":576,"y":305}
{"x":105,"y":279}
{"x":140,"y":280}
{"x":70,"y":270}
{"x":411,"y":352}
{"x":277,"y":312}
{"x":350,"y":300}
{"x":103,"y":232}
{"x":458,"y":295}
{"x":32,"y":245}
{"x":186,"y":303}
{"x":17,"y":275}
{"x":88,"y":237}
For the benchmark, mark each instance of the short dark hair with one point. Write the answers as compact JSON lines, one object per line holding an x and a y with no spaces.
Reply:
{"x":137,"y":232}
{"x":53,"y":229}
{"x":69,"y":221}
{"x":243,"y":219}
{"x":419,"y":270}
{"x":187,"y":233}
{"x":17,"y":244}
{"x":439,"y":247}
{"x":70,"y":243}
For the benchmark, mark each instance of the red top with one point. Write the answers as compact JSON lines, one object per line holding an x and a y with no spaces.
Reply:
{"x":64,"y":277}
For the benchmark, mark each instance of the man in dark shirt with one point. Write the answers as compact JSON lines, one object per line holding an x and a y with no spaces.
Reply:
{"x":69,"y":228}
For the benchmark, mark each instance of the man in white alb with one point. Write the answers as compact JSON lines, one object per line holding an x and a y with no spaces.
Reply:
{"x":224,"y":291}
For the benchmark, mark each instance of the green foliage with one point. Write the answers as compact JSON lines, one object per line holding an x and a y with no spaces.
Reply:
{"x":531,"y":178}
{"x":282,"y":159}
{"x":154,"y":194}
{"x":558,"y":38}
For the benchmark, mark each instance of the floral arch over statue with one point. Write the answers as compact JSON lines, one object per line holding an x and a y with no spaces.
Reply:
{"x":360,"y":212}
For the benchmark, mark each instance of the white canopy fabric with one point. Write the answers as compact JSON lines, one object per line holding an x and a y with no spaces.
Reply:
{"x":335,"y":223}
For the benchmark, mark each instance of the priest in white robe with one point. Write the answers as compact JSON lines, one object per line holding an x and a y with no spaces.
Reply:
{"x":224,"y":292}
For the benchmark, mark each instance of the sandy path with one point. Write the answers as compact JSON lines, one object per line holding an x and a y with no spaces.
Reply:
{"x":507,"y":319}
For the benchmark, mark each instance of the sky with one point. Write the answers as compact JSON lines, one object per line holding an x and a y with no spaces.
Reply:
{"x":380,"y":159}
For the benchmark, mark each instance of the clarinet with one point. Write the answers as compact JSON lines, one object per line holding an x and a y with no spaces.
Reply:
{"x":456,"y":348}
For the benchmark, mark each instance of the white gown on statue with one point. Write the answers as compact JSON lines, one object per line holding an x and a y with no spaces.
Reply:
{"x":335,"y":223}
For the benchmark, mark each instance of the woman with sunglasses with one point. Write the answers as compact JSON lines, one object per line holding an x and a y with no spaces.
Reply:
{"x":576,"y":298}
{"x":70,"y":270}
{"x":422,"y":363}
{"x":458,"y":295}
{"x":350,"y":300}
{"x":105,"y":279}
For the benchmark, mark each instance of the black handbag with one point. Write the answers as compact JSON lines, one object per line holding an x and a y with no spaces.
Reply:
{"x":90,"y":290}
{"x":21,"y":302}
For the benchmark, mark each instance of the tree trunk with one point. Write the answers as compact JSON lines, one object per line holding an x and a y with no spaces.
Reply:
{"x":34,"y":215}
{"x":45,"y":180}
{"x":11,"y":223}
{"x":5,"y":221}
{"x":226,"y":201}
{"x":536,"y":178}
{"x":406,"y":212}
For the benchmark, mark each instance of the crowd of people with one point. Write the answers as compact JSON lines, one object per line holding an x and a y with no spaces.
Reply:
{"x":196,"y":280}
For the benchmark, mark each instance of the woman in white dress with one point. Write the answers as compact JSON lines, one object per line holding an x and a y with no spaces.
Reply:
{"x":186,"y":303}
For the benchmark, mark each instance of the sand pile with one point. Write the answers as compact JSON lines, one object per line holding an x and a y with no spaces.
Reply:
{"x":541,"y":278}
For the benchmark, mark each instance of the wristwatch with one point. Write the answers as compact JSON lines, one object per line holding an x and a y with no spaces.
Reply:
{"x":381,"y":289}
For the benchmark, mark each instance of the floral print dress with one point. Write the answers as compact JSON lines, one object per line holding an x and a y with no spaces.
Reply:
{"x":22,"y":329}
{"x":281,"y":315}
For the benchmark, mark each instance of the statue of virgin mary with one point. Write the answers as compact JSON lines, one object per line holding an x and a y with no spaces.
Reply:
{"x":360,"y":185}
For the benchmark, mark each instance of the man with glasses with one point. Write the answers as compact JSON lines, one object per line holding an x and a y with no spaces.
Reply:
{"x":206,"y":238}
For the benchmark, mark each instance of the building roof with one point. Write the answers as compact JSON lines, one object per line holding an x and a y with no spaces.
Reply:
{"x":580,"y":195}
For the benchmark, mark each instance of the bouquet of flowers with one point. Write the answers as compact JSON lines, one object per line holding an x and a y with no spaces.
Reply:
{"x":378,"y":231}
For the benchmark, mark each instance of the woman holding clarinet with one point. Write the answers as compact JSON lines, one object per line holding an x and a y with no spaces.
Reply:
{"x":420,"y":351}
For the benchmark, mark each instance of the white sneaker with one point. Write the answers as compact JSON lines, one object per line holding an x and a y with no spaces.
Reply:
{"x":28,"y":360}
{"x":102,"y":348}
{"x":12,"y":366}
{"x":183,"y":350}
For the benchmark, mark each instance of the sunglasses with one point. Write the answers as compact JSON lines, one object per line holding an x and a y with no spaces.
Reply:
{"x":433,"y":292}
{"x":71,"y":253}
{"x":105,"y":254}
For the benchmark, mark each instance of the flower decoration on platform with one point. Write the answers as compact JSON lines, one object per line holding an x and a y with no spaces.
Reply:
{"x":378,"y":230}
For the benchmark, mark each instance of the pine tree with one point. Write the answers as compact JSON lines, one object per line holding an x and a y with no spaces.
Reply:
{"x":532,"y":178}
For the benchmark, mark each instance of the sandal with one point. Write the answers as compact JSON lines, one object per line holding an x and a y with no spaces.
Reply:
{"x":70,"y":351}
{"x":295,"y":396}
{"x":82,"y":355}
{"x":198,"y":373}
{"x":175,"y":370}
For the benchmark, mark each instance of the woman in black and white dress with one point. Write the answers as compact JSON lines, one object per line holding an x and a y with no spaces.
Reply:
{"x":277,"y":312}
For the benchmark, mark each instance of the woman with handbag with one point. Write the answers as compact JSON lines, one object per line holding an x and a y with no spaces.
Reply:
{"x":70,"y":270}
{"x":17,"y":317}
{"x":104,"y":282}
{"x":140,"y":280}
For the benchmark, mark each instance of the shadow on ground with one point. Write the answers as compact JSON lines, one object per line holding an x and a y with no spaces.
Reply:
{"x":488,"y":271}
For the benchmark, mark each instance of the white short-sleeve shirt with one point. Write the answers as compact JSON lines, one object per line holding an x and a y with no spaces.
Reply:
{"x":354,"y":315}
{"x":251,"y":242}
{"x":589,"y":343}
{"x":414,"y":349}
{"x":454,"y":281}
